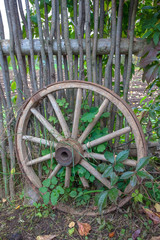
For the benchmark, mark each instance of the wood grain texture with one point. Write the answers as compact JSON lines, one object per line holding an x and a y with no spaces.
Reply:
{"x":103,"y":46}
{"x":60,"y":116}
{"x":39,"y":140}
{"x":106,"y":138}
{"x":95,"y":173}
{"x":55,"y":171}
{"x":41,"y":159}
{"x":77,"y":113}
{"x":47,"y":125}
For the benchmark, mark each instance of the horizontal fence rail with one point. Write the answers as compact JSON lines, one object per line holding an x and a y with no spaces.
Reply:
{"x":103,"y":46}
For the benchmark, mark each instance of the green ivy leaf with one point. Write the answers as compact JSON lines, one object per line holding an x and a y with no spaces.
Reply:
{"x":143,"y":99}
{"x":108,"y":171}
{"x":81,"y":171}
{"x":109,"y":156}
{"x":61,"y":102}
{"x":114,"y":178}
{"x":14,"y":99}
{"x":106,"y":114}
{"x":101,"y":148}
{"x":152,"y":114}
{"x":46,"y":197}
{"x":143,"y":174}
{"x":126,"y":175}
{"x":156,"y":38}
{"x":34,"y":18}
{"x":158,"y":132}
{"x":147,"y":34}
{"x":71,"y":231}
{"x":13,"y":86}
{"x":54,"y":180}
{"x":45,"y":151}
{"x":102,"y":200}
{"x":88,"y":117}
{"x":43,"y":189}
{"x":56,"y":193}
{"x":87,"y":175}
{"x":113,"y":194}
{"x":91,"y":178}
{"x":60,"y":190}
{"x":46,"y":182}
{"x":73,"y":194}
{"x":122,"y":156}
{"x":142,"y":162}
{"x":54,"y":198}
{"x":119,"y":167}
{"x":149,"y":184}
{"x":102,"y":167}
{"x":133,"y":181}
{"x":53,"y":119}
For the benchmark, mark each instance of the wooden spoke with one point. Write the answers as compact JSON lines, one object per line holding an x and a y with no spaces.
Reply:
{"x":41,"y":159}
{"x":84,"y":182}
{"x":95,"y":120}
{"x":60,"y":116}
{"x":107,"y":137}
{"x":39,"y":140}
{"x":77,"y":113}
{"x":55,"y":171}
{"x":67,"y":177}
{"x":95,"y":173}
{"x":130,"y":162}
{"x":46,"y":124}
{"x":101,"y":157}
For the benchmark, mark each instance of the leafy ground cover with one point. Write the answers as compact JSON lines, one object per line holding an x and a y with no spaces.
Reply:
{"x":121,"y":225}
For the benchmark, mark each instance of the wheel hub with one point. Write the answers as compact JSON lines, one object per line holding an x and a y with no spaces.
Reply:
{"x":68,"y":153}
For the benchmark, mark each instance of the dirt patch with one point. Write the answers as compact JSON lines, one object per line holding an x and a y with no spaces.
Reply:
{"x":23,"y":220}
{"x":137,"y":90}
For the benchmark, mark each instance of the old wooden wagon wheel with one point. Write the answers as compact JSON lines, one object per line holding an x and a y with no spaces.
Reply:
{"x":64,"y":135}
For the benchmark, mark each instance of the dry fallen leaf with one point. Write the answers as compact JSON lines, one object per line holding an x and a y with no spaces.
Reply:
{"x":157,"y":207}
{"x":111,"y":234}
{"x":136,"y":234}
{"x":83,"y":228}
{"x":46,"y":237}
{"x":152,"y":215}
{"x":155,"y":238}
{"x":71,"y":225}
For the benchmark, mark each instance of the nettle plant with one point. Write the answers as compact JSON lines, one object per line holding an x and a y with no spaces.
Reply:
{"x":119,"y":177}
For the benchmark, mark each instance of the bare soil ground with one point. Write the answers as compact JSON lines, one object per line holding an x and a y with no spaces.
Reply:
{"x":138,"y":90}
{"x":123,"y":223}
